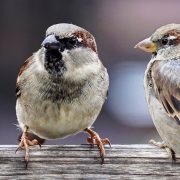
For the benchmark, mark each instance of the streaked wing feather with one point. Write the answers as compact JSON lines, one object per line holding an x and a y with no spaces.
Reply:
{"x":24,"y":66}
{"x":166,"y":77}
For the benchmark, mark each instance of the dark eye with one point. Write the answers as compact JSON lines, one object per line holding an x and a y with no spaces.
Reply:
{"x":168,"y":40}
{"x":72,"y":41}
{"x":164,"y":41}
{"x":57,"y":37}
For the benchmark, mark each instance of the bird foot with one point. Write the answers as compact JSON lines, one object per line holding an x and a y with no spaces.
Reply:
{"x":95,"y":139}
{"x":25,"y":143}
{"x":162,"y":145}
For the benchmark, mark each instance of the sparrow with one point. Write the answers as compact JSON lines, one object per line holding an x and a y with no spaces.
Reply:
{"x":61,"y":88}
{"x":162,"y":85}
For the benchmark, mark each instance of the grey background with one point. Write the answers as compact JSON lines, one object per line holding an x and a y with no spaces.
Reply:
{"x":117,"y":25}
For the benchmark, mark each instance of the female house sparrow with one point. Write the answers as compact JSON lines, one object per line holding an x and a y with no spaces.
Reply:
{"x":162,"y":85}
{"x":61,"y":88}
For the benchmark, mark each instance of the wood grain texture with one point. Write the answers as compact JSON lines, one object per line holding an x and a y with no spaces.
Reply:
{"x":83,"y":162}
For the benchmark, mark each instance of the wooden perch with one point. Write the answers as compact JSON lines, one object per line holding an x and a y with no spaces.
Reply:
{"x":83,"y":162}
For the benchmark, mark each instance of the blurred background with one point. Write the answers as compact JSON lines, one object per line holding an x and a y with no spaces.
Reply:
{"x":117,"y":26}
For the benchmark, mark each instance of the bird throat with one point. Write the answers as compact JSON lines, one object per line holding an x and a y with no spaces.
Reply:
{"x":54,"y":63}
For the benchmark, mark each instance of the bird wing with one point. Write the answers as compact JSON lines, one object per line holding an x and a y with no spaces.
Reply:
{"x":166,"y":78}
{"x":23,"y":67}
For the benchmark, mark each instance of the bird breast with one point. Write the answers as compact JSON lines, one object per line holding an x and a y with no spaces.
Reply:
{"x":57,"y":107}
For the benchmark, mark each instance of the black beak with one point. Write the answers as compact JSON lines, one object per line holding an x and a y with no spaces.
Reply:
{"x":51,"y":43}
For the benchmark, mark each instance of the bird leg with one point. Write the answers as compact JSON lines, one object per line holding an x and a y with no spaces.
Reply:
{"x":162,"y":145}
{"x":94,"y":139}
{"x":25,"y":143}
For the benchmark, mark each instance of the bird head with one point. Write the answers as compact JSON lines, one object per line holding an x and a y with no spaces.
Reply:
{"x":66,"y":49}
{"x":164,"y":43}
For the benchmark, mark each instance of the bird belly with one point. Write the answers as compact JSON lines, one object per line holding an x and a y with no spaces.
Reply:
{"x":167,"y":127}
{"x":52,"y":120}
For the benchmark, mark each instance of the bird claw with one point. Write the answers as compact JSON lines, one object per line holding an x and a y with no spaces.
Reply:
{"x":25,"y":143}
{"x":169,"y":150}
{"x":95,"y":139}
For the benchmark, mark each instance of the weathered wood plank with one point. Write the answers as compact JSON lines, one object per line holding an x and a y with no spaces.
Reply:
{"x":83,"y":162}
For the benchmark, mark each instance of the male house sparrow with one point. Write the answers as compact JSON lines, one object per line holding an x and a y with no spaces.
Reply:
{"x":162,"y":85}
{"x":61,"y":88}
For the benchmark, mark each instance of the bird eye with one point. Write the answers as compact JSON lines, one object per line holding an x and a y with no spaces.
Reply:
{"x":168,"y":40}
{"x":57,"y":37}
{"x":164,"y":41}
{"x":72,"y":41}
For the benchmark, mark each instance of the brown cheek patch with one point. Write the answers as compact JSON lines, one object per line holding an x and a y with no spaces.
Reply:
{"x":176,"y":34}
{"x":87,"y":40}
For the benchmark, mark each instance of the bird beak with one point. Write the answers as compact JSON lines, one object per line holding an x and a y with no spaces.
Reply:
{"x":147,"y":45}
{"x":50,"y":42}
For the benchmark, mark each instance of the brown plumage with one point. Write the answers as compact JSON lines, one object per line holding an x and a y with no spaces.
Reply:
{"x":162,"y":85}
{"x":165,"y":75}
{"x":61,"y":88}
{"x":87,"y":39}
{"x":25,"y":65}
